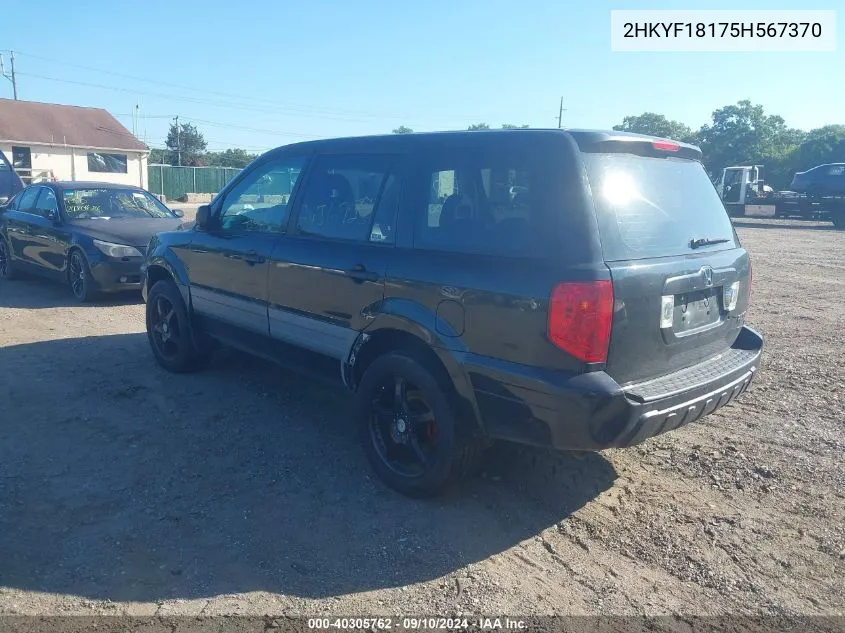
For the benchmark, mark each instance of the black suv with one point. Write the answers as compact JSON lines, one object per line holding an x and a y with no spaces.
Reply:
{"x":574,"y":289}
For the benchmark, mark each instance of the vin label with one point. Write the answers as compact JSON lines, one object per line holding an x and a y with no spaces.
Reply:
{"x":723,"y":30}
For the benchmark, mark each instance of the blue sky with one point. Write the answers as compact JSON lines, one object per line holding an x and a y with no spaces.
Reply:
{"x":296,"y":70}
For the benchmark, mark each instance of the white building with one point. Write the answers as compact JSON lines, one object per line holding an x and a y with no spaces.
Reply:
{"x":47,"y":141}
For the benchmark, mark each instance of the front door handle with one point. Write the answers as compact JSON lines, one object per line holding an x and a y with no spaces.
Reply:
{"x":250,"y":257}
{"x":360,"y":273}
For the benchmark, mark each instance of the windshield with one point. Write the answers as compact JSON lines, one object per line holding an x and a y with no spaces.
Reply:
{"x":655,"y":207}
{"x":88,"y":204}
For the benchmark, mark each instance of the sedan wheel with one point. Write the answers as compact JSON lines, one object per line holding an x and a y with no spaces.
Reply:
{"x":79,"y":278}
{"x":6,"y":269}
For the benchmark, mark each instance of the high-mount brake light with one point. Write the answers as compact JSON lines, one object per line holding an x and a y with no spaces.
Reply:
{"x":665,"y":146}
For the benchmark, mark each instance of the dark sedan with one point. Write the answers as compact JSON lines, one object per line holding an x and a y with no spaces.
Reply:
{"x":92,"y":236}
{"x":822,"y":180}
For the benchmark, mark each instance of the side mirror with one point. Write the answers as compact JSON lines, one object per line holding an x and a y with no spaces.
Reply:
{"x":203,"y":217}
{"x":54,"y":217}
{"x":178,"y":213}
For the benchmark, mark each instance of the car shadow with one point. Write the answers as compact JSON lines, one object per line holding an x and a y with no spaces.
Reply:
{"x":120,"y":481}
{"x":33,"y":292}
{"x":803,"y":225}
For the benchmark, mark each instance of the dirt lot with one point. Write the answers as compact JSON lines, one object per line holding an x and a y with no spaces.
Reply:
{"x":125,"y":490}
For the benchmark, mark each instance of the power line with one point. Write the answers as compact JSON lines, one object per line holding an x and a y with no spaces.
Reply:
{"x":279,"y":106}
{"x":215,"y":103}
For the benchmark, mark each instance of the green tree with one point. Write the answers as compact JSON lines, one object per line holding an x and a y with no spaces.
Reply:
{"x":188,"y":141}
{"x":479,"y":126}
{"x":402,"y":130}
{"x":158,"y":156}
{"x":239,"y":158}
{"x":656,"y":125}
{"x":743,"y":134}
{"x":822,"y":145}
{"x":511,"y":126}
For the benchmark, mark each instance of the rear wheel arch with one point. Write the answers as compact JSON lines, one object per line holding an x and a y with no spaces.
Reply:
{"x":373,"y":345}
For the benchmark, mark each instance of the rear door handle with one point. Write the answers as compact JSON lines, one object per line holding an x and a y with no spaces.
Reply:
{"x":360,"y":273}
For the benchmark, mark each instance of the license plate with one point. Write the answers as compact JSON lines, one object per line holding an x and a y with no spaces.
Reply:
{"x":694,"y":310}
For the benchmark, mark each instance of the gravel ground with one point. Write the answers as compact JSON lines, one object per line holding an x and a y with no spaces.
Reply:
{"x":241,"y":490}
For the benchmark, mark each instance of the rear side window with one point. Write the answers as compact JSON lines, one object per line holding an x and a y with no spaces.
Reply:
{"x":654,"y":207}
{"x":26,"y":201}
{"x":483,"y":202}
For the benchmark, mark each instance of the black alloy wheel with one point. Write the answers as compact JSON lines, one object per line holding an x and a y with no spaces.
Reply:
{"x":79,"y":277}
{"x":403,"y":427}
{"x":409,"y":428}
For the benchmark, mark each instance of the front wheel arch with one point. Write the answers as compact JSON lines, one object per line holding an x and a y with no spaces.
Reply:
{"x":156,"y":273}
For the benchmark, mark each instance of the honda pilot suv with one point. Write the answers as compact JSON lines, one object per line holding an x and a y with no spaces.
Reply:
{"x":568,"y":289}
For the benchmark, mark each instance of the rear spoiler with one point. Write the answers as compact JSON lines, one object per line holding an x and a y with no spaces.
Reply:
{"x":641,"y":145}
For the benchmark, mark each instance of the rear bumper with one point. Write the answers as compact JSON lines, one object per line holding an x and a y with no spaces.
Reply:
{"x":592,"y":412}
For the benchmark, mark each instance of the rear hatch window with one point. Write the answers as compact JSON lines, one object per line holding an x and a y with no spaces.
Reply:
{"x":655,"y":206}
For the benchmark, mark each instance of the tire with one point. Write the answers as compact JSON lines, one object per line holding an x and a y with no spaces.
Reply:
{"x":7,"y":268}
{"x":79,"y":278}
{"x":169,"y":330}
{"x":408,"y":427}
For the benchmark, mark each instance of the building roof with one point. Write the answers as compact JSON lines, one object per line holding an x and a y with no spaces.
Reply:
{"x":53,"y":124}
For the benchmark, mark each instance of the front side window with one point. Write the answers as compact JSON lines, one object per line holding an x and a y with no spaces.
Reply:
{"x":350,"y":197}
{"x":259,"y":202}
{"x":836,"y":170}
{"x":107,"y":203}
{"x":47,"y":204}
{"x":107,"y":163}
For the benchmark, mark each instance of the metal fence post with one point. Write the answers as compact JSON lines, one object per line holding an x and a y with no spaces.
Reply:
{"x":195,"y":179}
{"x":161,"y":186}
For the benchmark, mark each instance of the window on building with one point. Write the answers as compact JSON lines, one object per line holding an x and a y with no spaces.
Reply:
{"x":106,"y":163}
{"x":22,"y":163}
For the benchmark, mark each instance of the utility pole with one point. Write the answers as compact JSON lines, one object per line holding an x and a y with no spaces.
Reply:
{"x":10,"y":77}
{"x":560,"y":114}
{"x":178,"y":143}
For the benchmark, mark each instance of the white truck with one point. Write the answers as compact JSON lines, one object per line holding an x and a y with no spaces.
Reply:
{"x":745,"y":194}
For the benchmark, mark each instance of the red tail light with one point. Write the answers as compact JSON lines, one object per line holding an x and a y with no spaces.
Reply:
{"x":580,"y":317}
{"x":665,"y":146}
